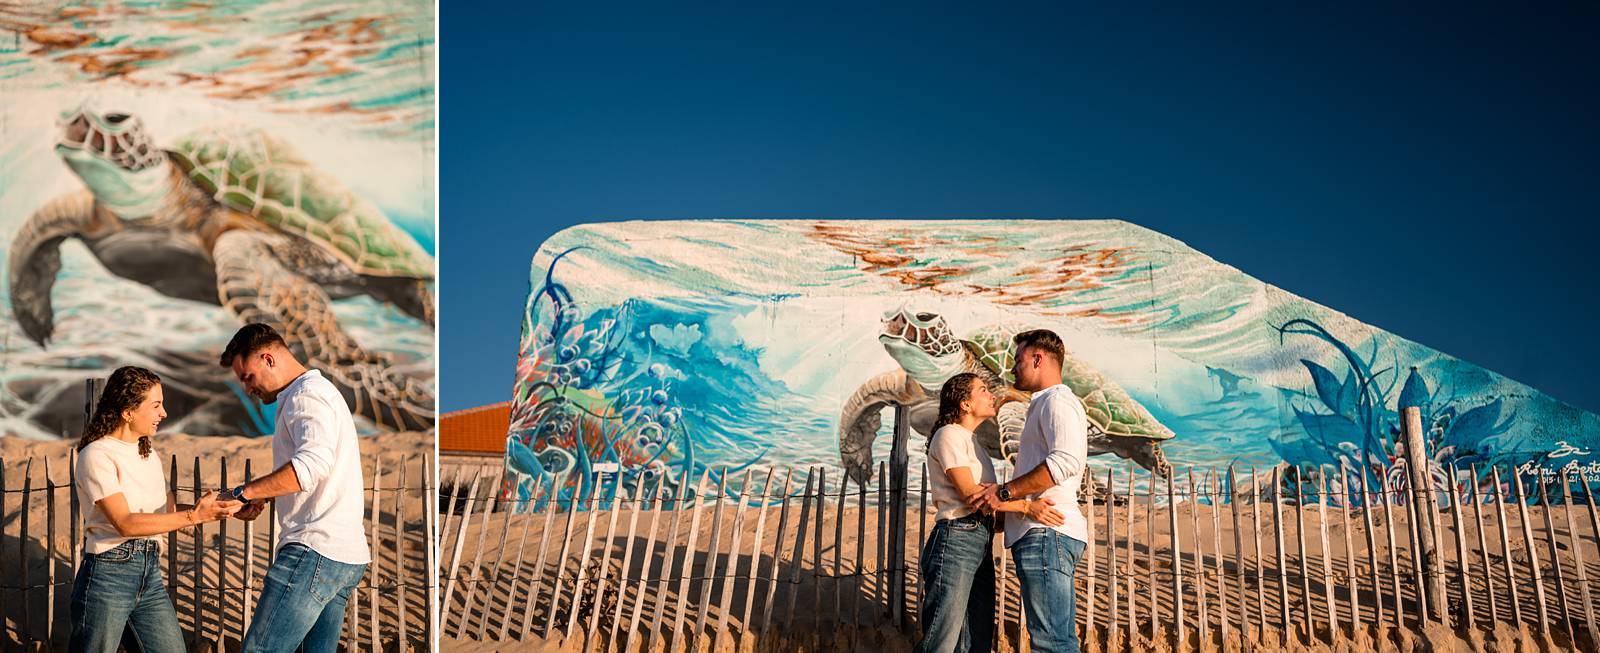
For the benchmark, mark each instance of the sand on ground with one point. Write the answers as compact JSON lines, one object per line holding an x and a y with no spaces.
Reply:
{"x":843,"y":607}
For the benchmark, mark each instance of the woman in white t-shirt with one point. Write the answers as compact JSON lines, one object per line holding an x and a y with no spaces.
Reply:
{"x":119,"y":585}
{"x":957,"y":565}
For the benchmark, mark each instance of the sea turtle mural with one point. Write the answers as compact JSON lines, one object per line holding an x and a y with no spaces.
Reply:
{"x":234,"y":217}
{"x":929,"y":353}
{"x":722,"y":345}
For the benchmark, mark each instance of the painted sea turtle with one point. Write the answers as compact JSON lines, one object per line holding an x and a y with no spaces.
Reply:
{"x":234,"y":217}
{"x":929,"y":353}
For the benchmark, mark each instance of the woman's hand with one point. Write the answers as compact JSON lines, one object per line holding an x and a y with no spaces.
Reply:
{"x":1041,"y":510}
{"x":210,"y":508}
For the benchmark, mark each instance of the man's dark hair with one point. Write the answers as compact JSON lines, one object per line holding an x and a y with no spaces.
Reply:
{"x":1041,"y":339}
{"x":250,"y":339}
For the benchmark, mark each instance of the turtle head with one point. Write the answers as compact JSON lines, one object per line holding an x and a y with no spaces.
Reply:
{"x":114,"y":157}
{"x":924,"y":345}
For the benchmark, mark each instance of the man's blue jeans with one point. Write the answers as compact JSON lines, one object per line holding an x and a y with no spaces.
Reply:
{"x":1046,"y":564}
{"x":958,"y":586}
{"x":302,"y":604}
{"x":122,"y":590}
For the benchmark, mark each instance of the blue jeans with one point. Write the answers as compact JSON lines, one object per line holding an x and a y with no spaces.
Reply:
{"x":1046,"y":564}
{"x":958,"y":586}
{"x":302,"y":604}
{"x":122,"y":590}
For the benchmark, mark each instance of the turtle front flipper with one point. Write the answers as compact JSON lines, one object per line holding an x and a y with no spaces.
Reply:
{"x":35,"y":259}
{"x":1149,"y":456}
{"x":412,"y":296}
{"x":863,"y":415}
{"x":257,"y":287}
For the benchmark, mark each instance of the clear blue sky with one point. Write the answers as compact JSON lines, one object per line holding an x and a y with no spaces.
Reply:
{"x":1430,"y":173}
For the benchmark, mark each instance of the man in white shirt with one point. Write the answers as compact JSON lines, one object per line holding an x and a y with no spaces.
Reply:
{"x":1051,"y":458}
{"x":317,"y":490}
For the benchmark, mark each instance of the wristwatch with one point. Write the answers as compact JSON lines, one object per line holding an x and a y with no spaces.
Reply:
{"x":1003,"y":493}
{"x":238,"y":493}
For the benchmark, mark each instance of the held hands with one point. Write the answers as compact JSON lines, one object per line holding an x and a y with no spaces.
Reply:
{"x":248,"y":510}
{"x":251,"y":510}
{"x":985,"y":500}
{"x":213,"y":507}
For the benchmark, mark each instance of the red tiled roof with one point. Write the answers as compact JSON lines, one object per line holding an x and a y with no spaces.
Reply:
{"x":475,"y":430}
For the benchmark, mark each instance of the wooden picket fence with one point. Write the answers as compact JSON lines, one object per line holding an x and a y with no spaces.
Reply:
{"x":667,"y":555}
{"x":1287,"y":553}
{"x":214,"y":573}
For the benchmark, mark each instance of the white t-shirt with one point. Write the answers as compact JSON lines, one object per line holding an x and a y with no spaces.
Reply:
{"x":1056,"y":435}
{"x":110,"y":466}
{"x":952,"y":446}
{"x":316,"y":435}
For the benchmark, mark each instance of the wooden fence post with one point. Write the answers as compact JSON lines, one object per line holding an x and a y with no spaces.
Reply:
{"x":1177,"y":565}
{"x":1483,"y":545}
{"x":688,"y":554}
{"x":1113,"y":618}
{"x":50,"y":553}
{"x":899,"y":473}
{"x":1261,"y":572}
{"x":639,"y":497}
{"x":1555,"y":559}
{"x":777,"y":551}
{"x":1533,"y":556}
{"x":713,"y":554}
{"x":1277,"y":529}
{"x":1576,"y":542}
{"x":1349,"y":548}
{"x":1238,"y":550}
{"x":1505,"y":547}
{"x":1202,"y":618}
{"x":730,"y":566}
{"x":1462,"y":576}
{"x":799,"y":557}
{"x":432,"y":533}
{"x":1300,"y":540}
{"x":1419,"y":464}
{"x":659,"y":503}
{"x":757,"y":540}
{"x":1327,"y":571}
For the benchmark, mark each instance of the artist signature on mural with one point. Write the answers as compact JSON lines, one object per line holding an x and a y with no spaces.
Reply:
{"x":1589,"y":471}
{"x":1563,"y":450}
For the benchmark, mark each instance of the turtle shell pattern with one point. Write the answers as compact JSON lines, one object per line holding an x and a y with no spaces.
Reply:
{"x":1108,"y":406}
{"x":249,"y":171}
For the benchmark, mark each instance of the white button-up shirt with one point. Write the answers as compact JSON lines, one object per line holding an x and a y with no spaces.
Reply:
{"x":1057,"y":436}
{"x":316,"y":434}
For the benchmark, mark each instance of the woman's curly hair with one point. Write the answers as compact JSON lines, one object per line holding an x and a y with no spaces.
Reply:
{"x":955,"y":391}
{"x":125,"y":390}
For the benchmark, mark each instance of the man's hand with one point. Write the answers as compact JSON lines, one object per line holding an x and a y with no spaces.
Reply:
{"x":986,"y":499}
{"x":251,"y":511}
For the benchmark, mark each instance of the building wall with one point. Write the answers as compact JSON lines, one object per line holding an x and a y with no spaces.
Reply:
{"x":674,"y":346}
{"x":342,"y":99}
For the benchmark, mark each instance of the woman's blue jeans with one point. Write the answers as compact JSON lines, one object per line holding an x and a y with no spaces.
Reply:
{"x":958,"y":586}
{"x":120,"y":591}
